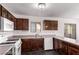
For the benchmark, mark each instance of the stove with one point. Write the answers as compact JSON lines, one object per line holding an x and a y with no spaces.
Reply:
{"x":16,"y":43}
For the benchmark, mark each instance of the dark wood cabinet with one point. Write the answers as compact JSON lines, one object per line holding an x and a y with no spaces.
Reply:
{"x":37,"y":44}
{"x":25,"y":24}
{"x":65,"y":48}
{"x":73,"y":49}
{"x":57,"y":45}
{"x":10,"y":17}
{"x":32,"y":44}
{"x":22,"y":24}
{"x":4,"y":12}
{"x":0,"y":10}
{"x":19,"y":24}
{"x":26,"y":45}
{"x":50,"y":25}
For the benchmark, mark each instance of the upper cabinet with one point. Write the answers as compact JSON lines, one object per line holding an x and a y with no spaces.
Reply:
{"x":50,"y":25}
{"x":10,"y":17}
{"x":22,"y":24}
{"x":0,"y":10}
{"x":4,"y":12}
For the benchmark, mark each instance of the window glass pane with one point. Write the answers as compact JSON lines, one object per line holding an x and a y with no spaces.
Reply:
{"x":35,"y":27}
{"x":70,"y":31}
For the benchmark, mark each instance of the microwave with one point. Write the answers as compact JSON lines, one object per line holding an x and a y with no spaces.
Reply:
{"x":6,"y":24}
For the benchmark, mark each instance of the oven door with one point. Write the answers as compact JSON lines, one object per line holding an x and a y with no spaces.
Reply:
{"x":11,"y":52}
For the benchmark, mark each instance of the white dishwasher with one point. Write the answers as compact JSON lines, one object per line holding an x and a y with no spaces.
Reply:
{"x":48,"y":43}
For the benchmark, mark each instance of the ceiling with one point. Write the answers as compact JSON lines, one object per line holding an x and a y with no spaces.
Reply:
{"x":67,"y":10}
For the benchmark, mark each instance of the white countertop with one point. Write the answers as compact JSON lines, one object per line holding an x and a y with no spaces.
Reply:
{"x":24,"y":34}
{"x":69,"y":40}
{"x":74,"y":41}
{"x":4,"y":49}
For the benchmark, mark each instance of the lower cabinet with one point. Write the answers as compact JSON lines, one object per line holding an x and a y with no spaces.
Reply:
{"x":32,"y":44}
{"x":57,"y":45}
{"x":73,"y":49}
{"x":65,"y":47}
{"x":26,"y":45}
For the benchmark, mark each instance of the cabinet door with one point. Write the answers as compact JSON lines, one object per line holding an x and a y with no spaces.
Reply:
{"x":19,"y":24}
{"x":54,"y":25}
{"x":37,"y":44}
{"x":0,"y":10}
{"x":55,"y":44}
{"x":26,"y":45}
{"x":25,"y":24}
{"x":64,"y":48}
{"x":22,"y":24}
{"x":9,"y":16}
{"x":73,"y":51}
{"x":32,"y":44}
{"x":4,"y":12}
{"x":47,"y":25}
{"x":50,"y":25}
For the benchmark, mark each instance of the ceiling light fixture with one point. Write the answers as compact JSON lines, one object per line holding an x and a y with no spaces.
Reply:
{"x":41,"y":5}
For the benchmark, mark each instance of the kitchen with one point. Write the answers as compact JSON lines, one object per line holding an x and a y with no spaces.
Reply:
{"x":23,"y":33}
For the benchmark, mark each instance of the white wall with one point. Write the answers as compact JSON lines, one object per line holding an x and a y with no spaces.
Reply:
{"x":72,"y":21}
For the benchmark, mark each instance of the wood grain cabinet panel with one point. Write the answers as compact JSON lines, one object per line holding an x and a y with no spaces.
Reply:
{"x":65,"y":48}
{"x":0,"y":10}
{"x":19,"y":24}
{"x":50,"y":25}
{"x":25,"y":24}
{"x":4,"y":12}
{"x":60,"y":46}
{"x":57,"y":45}
{"x":26,"y":45}
{"x":22,"y":24}
{"x":37,"y":44}
{"x":11,"y":17}
{"x":73,"y":49}
{"x":32,"y":44}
